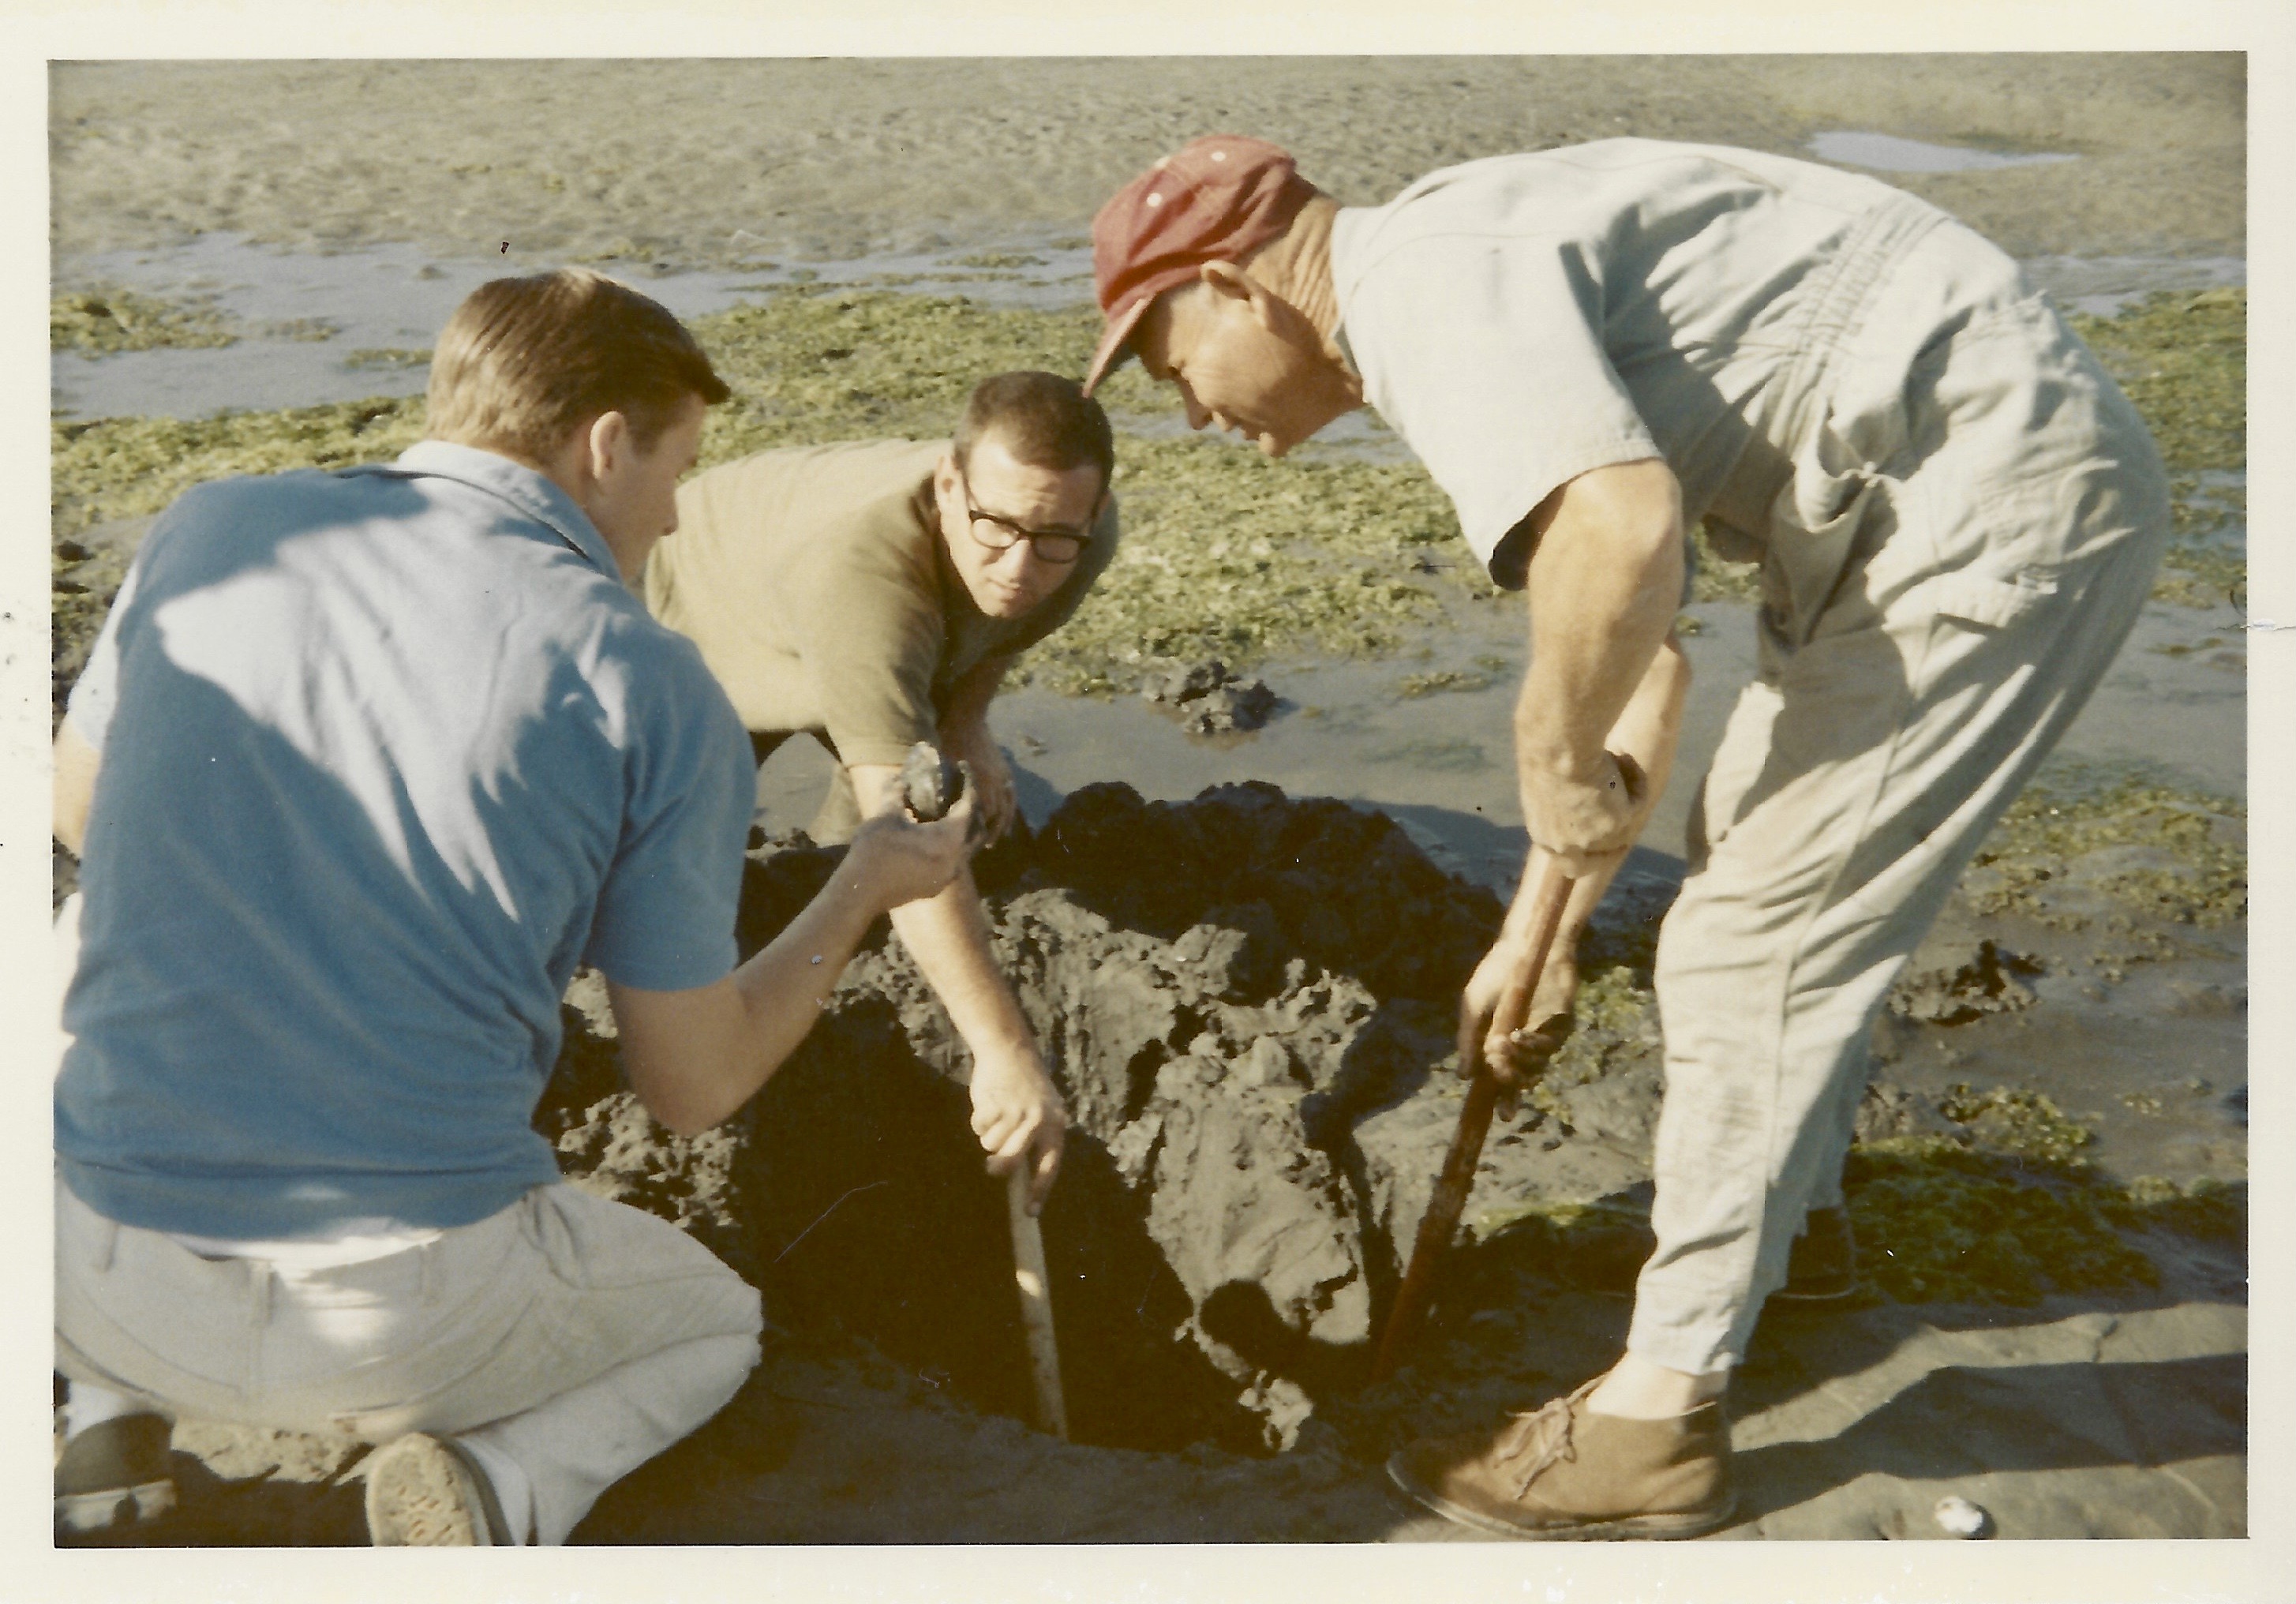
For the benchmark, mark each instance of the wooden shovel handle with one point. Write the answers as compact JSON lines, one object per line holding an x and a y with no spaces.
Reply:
{"x":1035,"y":1305}
{"x":1449,"y":1199}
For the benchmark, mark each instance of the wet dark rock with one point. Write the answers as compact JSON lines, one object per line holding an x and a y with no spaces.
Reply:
{"x":1210,"y":699}
{"x":1889,"y":1111}
{"x":1988,"y":980}
{"x":1229,"y":709}
{"x":1224,"y":988}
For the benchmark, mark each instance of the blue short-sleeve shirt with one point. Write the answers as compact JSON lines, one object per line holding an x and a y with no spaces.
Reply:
{"x":386,"y":753}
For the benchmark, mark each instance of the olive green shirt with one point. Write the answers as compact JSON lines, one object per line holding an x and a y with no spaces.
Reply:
{"x":815,"y":581}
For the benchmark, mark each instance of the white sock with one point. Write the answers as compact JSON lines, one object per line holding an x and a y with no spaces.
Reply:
{"x":513,"y":1491}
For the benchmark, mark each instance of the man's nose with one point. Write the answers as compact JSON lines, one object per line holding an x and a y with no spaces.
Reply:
{"x":1019,"y":560}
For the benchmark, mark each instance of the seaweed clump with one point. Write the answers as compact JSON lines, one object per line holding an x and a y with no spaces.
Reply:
{"x":2005,"y":1208}
{"x":106,"y":469}
{"x":1999,"y":1207}
{"x":1940,"y":1223}
{"x":2174,"y":856}
{"x":102,"y":321}
{"x":1227,"y":554}
{"x":2183,"y":359}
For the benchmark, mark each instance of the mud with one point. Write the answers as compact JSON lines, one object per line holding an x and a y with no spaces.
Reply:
{"x":1218,"y":1028}
{"x":1255,"y":1044}
{"x":1209,"y":698}
{"x":1254,"y":1041}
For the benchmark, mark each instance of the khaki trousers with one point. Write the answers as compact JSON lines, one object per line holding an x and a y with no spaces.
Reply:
{"x":840,"y":813}
{"x":579,"y":1338}
{"x":1964,"y":530}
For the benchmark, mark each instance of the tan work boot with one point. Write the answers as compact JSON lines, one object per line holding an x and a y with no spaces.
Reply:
{"x":1562,"y":1471}
{"x":115,"y":1474}
{"x":425,"y":1492}
{"x":1824,"y":1264}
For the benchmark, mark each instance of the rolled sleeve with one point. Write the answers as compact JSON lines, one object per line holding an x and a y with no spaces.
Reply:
{"x":1487,"y":358}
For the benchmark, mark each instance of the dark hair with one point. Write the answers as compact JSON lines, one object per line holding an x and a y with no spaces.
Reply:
{"x":1044,"y":420}
{"x":523,"y":362}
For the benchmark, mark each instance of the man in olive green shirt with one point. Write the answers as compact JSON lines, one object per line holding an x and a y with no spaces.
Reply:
{"x":873,"y":594}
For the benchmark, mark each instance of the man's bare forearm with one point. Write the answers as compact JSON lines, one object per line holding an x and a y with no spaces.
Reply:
{"x":694,"y":1056}
{"x":949,"y":936}
{"x":1604,"y":583}
{"x":1647,"y":730}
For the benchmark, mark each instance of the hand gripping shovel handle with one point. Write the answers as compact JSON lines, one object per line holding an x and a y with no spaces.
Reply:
{"x":1441,"y":1219}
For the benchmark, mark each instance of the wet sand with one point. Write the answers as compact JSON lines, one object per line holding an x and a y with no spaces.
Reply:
{"x":2098,"y":1414}
{"x":716,"y":163}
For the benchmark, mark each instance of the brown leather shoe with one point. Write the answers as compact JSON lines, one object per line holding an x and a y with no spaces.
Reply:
{"x":1823,"y":1265}
{"x":1564,"y":1472}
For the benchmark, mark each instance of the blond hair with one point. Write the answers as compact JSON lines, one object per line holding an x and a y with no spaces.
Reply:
{"x":524,"y":362}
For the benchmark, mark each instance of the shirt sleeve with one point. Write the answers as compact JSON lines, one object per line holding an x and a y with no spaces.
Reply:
{"x":1486,"y":354}
{"x":96,"y":693}
{"x":666,"y":910}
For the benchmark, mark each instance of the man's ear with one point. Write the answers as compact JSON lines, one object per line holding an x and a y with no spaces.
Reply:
{"x":1225,"y":278}
{"x":610,"y":446}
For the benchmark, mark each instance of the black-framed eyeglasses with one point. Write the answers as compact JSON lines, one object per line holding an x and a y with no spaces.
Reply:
{"x":1058,"y":546}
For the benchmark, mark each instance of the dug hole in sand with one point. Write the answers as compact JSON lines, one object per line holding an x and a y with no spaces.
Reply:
{"x":1229,"y":992}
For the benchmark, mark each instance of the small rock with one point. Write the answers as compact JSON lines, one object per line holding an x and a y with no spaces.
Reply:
{"x":929,"y":783}
{"x":1244,"y":706}
{"x":1959,"y":1517}
{"x":1267,"y":1063}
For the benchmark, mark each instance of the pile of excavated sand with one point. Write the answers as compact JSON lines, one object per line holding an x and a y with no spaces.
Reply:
{"x":1247,"y":1003}
{"x":1231,"y":993}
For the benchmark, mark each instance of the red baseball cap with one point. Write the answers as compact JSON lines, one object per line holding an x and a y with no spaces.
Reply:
{"x":1215,"y":199}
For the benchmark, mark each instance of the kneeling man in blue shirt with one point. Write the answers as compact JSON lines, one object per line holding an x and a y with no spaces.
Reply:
{"x":364,"y":764}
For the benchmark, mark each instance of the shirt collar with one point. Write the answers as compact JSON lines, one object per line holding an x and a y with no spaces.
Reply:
{"x":524,"y":487}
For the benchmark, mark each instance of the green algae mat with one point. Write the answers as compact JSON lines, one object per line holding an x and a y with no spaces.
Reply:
{"x":1323,"y":552}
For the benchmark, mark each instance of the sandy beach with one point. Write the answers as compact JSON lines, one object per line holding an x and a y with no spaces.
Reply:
{"x":2067,"y":1050}
{"x":713,"y":163}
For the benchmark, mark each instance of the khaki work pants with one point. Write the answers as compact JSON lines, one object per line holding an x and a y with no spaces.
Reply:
{"x":1963,"y":530}
{"x":840,"y":813}
{"x":574,"y":1336}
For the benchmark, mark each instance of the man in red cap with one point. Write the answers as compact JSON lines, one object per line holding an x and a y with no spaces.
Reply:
{"x":1958,"y":517}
